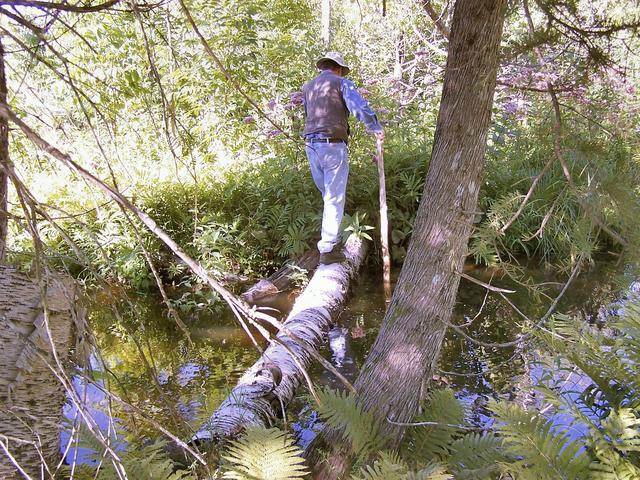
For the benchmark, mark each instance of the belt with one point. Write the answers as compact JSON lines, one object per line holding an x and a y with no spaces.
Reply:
{"x":325,"y":140}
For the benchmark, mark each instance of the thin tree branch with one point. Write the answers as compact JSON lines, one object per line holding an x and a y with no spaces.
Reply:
{"x":197,"y":269}
{"x":536,"y":325}
{"x":527,"y":196}
{"x":65,"y":7}
{"x":546,"y":218}
{"x":484,"y":285}
{"x":437,"y":19}
{"x":466,"y":428}
{"x":557,"y":144}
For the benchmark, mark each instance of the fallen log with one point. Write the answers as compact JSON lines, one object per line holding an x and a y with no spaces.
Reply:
{"x":270,"y":384}
{"x":31,"y":397}
{"x":282,"y":280}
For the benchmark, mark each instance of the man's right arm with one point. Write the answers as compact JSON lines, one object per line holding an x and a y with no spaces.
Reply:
{"x":360,"y":108}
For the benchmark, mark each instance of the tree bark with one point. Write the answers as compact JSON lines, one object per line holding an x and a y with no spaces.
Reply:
{"x":4,"y":162}
{"x":282,"y":280}
{"x":325,"y":20}
{"x":31,"y":397}
{"x":437,"y":19}
{"x":408,"y":345}
{"x":270,"y":384}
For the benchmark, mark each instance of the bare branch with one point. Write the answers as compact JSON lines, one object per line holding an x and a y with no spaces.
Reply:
{"x":466,"y":428}
{"x":536,"y":325}
{"x":437,"y":19}
{"x":557,"y":144}
{"x":527,"y":196}
{"x":65,"y":7}
{"x":484,"y":285}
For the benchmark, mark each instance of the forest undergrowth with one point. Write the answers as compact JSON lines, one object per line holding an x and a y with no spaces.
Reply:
{"x":206,"y":141}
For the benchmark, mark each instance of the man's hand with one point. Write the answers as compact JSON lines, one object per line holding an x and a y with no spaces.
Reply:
{"x":380,"y":135}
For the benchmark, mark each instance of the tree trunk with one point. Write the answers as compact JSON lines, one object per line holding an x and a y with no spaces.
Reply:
{"x":4,"y":162}
{"x":31,"y":397}
{"x":408,"y":345}
{"x":325,"y":20}
{"x":270,"y":384}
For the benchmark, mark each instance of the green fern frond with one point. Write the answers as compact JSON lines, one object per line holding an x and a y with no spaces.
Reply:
{"x":340,"y":411}
{"x":432,"y":442}
{"x":612,"y":375}
{"x":151,"y":462}
{"x":541,"y":451}
{"x":613,"y":445}
{"x":433,"y":471}
{"x":389,"y":466}
{"x":265,"y":454}
{"x":622,"y":430}
{"x":611,"y":466}
{"x":476,"y":456}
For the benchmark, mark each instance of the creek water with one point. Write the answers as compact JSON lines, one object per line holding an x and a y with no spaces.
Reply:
{"x":188,"y":382}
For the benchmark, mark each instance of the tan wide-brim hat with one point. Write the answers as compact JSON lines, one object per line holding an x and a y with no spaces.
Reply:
{"x":334,"y":57}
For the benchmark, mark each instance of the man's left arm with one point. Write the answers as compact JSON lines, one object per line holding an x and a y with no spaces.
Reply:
{"x":360,"y":108}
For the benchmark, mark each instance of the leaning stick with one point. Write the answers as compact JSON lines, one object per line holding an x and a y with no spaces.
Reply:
{"x":384,"y":227}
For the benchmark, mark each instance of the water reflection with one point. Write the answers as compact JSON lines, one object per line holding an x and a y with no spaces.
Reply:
{"x":95,"y":405}
{"x":179,"y":385}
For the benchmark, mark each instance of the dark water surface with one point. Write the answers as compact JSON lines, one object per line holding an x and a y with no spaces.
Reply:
{"x":192,"y":381}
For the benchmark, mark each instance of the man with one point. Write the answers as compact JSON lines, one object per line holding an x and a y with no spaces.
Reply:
{"x":328,"y":100}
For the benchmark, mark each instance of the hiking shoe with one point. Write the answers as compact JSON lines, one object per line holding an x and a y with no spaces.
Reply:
{"x":334,"y":256}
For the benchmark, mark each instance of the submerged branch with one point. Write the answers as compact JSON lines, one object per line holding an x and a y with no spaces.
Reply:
{"x":484,"y":285}
{"x":538,"y":324}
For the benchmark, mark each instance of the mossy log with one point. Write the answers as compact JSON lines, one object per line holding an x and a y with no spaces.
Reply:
{"x":31,"y":398}
{"x":270,"y":384}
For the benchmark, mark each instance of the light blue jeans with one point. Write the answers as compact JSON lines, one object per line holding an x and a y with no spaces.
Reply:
{"x":330,"y":172}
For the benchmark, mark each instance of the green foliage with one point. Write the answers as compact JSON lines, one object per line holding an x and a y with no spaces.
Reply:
{"x":476,"y":455}
{"x":557,"y":221}
{"x":433,"y":452}
{"x":340,"y":411}
{"x":236,"y":194}
{"x":389,"y":466}
{"x":606,"y":411}
{"x":541,"y":449}
{"x":356,"y":227}
{"x":583,"y":433}
{"x":147,"y":462}
{"x":432,"y":442}
{"x":264,"y":454}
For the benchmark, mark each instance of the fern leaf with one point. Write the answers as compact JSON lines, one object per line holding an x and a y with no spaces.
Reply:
{"x":265,"y":454}
{"x":389,"y":466}
{"x":340,"y":411}
{"x":542,"y":452}
{"x":433,"y":471}
{"x":432,"y":443}
{"x":476,"y":456}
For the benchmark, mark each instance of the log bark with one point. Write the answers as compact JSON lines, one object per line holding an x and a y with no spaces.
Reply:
{"x":4,"y":162}
{"x":409,"y":342}
{"x":270,"y":384}
{"x":31,"y":398}
{"x":282,"y":280}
